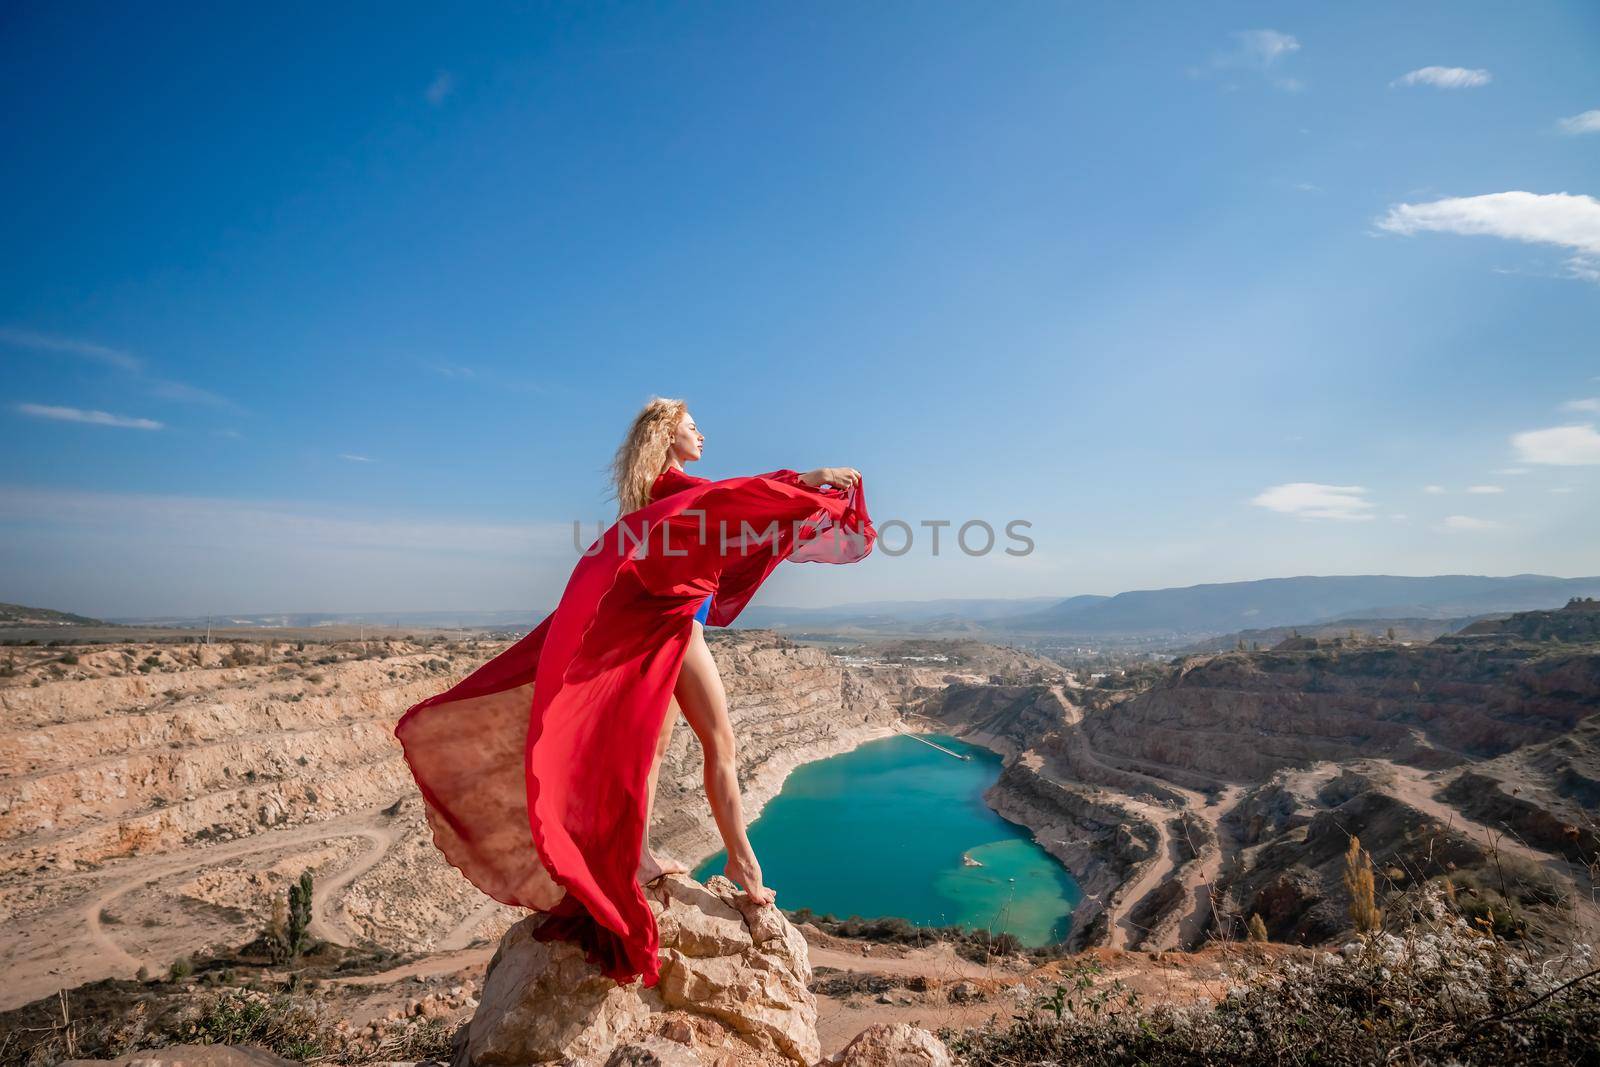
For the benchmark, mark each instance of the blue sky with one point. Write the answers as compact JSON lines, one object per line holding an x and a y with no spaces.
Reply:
{"x":345,"y":309}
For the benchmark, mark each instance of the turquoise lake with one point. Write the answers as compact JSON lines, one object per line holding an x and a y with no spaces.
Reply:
{"x":881,"y":831}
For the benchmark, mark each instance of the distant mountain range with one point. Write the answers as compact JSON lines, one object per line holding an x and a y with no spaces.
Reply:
{"x":1231,"y":606}
{"x":1199,"y":610}
{"x":1196,"y":611}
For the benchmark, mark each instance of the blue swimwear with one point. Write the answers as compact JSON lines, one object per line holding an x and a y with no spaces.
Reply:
{"x":704,"y":612}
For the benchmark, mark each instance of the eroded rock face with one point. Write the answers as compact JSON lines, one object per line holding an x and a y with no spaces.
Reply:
{"x":741,"y":968}
{"x":1239,"y":777}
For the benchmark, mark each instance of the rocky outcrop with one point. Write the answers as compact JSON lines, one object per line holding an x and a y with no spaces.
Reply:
{"x":1431,"y":706}
{"x":901,"y":1045}
{"x":1006,"y":718}
{"x":1080,"y":826}
{"x":1577,"y":623}
{"x":733,"y":989}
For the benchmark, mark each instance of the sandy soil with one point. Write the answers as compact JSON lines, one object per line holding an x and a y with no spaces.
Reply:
{"x":141,"y":912}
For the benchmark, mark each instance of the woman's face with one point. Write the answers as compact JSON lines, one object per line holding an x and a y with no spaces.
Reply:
{"x":688,"y":441}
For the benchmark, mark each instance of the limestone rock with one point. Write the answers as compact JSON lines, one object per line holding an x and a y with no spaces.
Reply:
{"x":654,"y":1051}
{"x":964,"y":993}
{"x":542,"y":1001}
{"x":757,"y":984}
{"x":900,"y":1045}
{"x":742,"y":970}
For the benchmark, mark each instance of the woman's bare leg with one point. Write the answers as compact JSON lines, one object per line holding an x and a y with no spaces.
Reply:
{"x":705,"y":706}
{"x":652,"y":866}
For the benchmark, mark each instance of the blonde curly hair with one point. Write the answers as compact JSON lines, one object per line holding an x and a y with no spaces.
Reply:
{"x":643,"y":454}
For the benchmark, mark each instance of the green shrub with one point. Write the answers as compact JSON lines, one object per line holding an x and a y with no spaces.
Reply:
{"x":300,"y":914}
{"x":239,"y":1017}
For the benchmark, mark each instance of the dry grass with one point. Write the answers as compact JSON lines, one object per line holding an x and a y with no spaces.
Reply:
{"x":1435,"y":988}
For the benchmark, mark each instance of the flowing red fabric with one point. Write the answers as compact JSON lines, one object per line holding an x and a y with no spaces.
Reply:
{"x":533,"y":768}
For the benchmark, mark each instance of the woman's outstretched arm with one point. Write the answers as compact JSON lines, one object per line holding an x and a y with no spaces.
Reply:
{"x":840,"y":477}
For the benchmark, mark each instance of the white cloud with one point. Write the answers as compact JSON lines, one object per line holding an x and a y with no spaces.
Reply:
{"x":1589,"y":404}
{"x":1559,"y":446}
{"x":94,"y":418}
{"x":1584,"y":268}
{"x":1308,"y":187}
{"x":1588,"y":122}
{"x":171,"y":554}
{"x":1444,"y":78}
{"x":488,"y":377}
{"x":1467,"y":522}
{"x":157,"y":387}
{"x":190,"y":394}
{"x":1309,"y":500}
{"x":1562,"y":219}
{"x":281,"y":522}
{"x":1484,"y":489}
{"x":1434,"y":490}
{"x":41,"y":342}
{"x":1265,"y":46}
{"x":1257,"y":50}
{"x":1512,"y":470}
{"x":439,"y":90}
{"x":353,"y":458}
{"x":1572,"y":221}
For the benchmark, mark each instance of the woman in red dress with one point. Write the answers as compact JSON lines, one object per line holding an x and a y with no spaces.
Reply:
{"x":538,"y":770}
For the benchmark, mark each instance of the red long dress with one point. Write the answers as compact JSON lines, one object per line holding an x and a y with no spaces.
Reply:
{"x":533,"y":768}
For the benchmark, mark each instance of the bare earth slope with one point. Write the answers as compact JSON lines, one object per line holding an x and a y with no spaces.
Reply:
{"x":1234,"y":786}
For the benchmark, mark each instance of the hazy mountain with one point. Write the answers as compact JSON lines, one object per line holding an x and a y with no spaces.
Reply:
{"x":20,"y":615}
{"x":904,"y":616}
{"x":1231,"y":606}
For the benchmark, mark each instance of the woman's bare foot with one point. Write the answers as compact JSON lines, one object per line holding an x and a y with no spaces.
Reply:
{"x":747,"y":873}
{"x":652,"y":867}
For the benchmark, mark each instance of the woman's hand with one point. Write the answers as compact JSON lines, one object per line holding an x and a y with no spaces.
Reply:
{"x":838,"y":477}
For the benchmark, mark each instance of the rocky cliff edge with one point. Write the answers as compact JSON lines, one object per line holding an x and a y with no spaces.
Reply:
{"x":733,"y":992}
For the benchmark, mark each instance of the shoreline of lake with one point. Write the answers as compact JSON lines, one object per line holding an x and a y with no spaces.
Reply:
{"x":849,"y":834}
